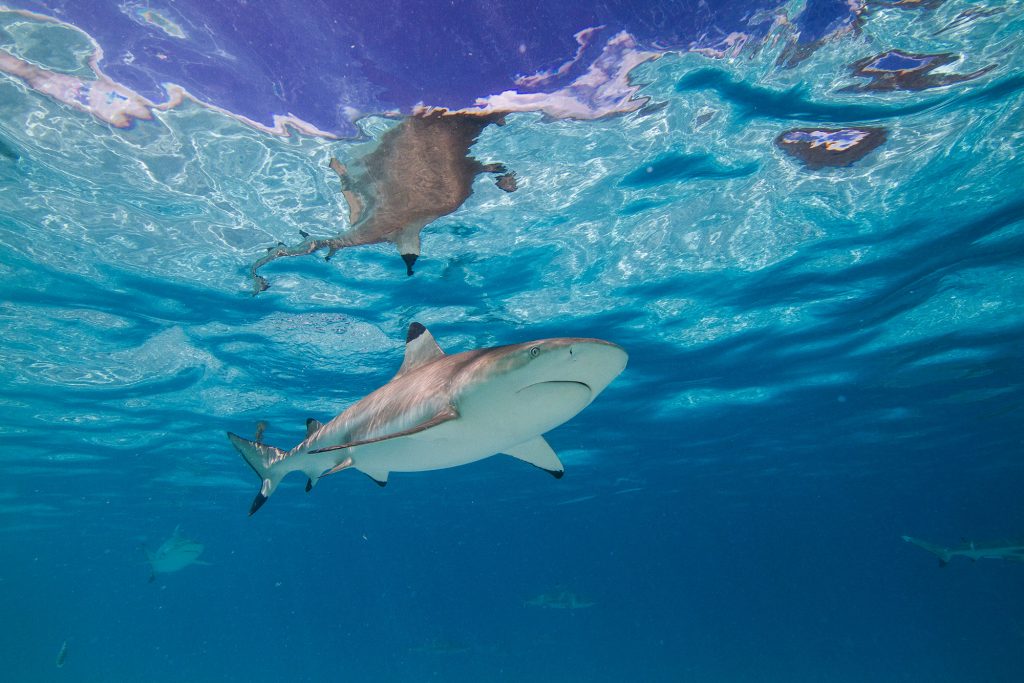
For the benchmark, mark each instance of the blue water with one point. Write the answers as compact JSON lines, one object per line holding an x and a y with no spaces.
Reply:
{"x":821,"y":360}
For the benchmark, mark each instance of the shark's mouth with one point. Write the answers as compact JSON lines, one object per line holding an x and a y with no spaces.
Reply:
{"x":555,"y":385}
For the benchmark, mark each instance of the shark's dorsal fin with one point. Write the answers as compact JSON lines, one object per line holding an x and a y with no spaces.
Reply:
{"x":312,"y":426}
{"x":420,"y":348}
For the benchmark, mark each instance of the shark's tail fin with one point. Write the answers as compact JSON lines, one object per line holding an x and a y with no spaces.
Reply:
{"x":261,"y":458}
{"x":942,"y":553}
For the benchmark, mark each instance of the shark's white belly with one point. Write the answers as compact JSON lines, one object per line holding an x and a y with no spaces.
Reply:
{"x":489,"y":422}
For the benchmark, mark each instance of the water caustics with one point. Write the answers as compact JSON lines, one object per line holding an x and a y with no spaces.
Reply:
{"x":802,"y":221}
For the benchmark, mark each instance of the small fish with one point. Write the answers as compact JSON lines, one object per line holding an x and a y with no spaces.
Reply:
{"x":62,"y":655}
{"x":559,"y":600}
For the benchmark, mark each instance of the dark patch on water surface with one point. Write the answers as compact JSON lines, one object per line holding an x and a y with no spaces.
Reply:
{"x":8,"y":152}
{"x":821,"y":147}
{"x":639,"y":206}
{"x":652,"y":108}
{"x":897,"y":70}
{"x":676,"y":167}
{"x":969,"y":16}
{"x":908,"y":4}
{"x":752,"y":101}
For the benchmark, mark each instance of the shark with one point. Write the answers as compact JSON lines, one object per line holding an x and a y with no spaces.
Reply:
{"x":174,"y":554}
{"x":559,"y":600}
{"x":421,"y":170}
{"x":988,"y":550}
{"x":444,"y":410}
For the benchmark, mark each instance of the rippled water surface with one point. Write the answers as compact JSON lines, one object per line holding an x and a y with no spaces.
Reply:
{"x":824,"y":355}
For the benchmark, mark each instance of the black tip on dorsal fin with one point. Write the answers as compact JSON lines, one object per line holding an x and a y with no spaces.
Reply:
{"x":257,"y":503}
{"x":312,"y":426}
{"x":415,"y":330}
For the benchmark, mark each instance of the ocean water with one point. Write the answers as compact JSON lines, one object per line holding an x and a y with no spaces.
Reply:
{"x":822,"y":359}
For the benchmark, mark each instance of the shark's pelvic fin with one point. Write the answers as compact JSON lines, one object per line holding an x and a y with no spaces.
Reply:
{"x":261,"y":459}
{"x":420,"y":348}
{"x":445,"y":415}
{"x":312,"y":426}
{"x":537,"y":452}
{"x":343,"y":465}
{"x":379,"y":476}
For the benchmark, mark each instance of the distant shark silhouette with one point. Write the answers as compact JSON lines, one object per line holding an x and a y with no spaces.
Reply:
{"x":174,"y":554}
{"x":442,"y":646}
{"x":443,"y":410}
{"x":994,"y":550}
{"x":559,"y":600}
{"x":420,"y":171}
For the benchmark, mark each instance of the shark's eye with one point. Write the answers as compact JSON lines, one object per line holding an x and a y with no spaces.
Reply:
{"x":534,"y":352}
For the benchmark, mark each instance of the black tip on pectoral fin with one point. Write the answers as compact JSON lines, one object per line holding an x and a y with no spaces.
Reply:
{"x":257,"y":503}
{"x":409,"y":260}
{"x":557,"y":474}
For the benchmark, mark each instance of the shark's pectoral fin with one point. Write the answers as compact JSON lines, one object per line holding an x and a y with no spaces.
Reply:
{"x":537,"y":452}
{"x":449,"y":413}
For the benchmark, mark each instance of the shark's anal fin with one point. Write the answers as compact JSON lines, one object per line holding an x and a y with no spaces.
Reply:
{"x":420,"y":348}
{"x":445,"y":415}
{"x":537,"y":452}
{"x":312,"y":426}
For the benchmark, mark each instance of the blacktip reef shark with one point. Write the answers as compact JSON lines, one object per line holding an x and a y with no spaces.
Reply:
{"x":986,"y":550}
{"x":444,"y":410}
{"x":420,"y":171}
{"x":174,"y":554}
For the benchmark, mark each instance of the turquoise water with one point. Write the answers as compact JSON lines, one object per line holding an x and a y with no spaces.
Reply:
{"x":821,"y":360}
